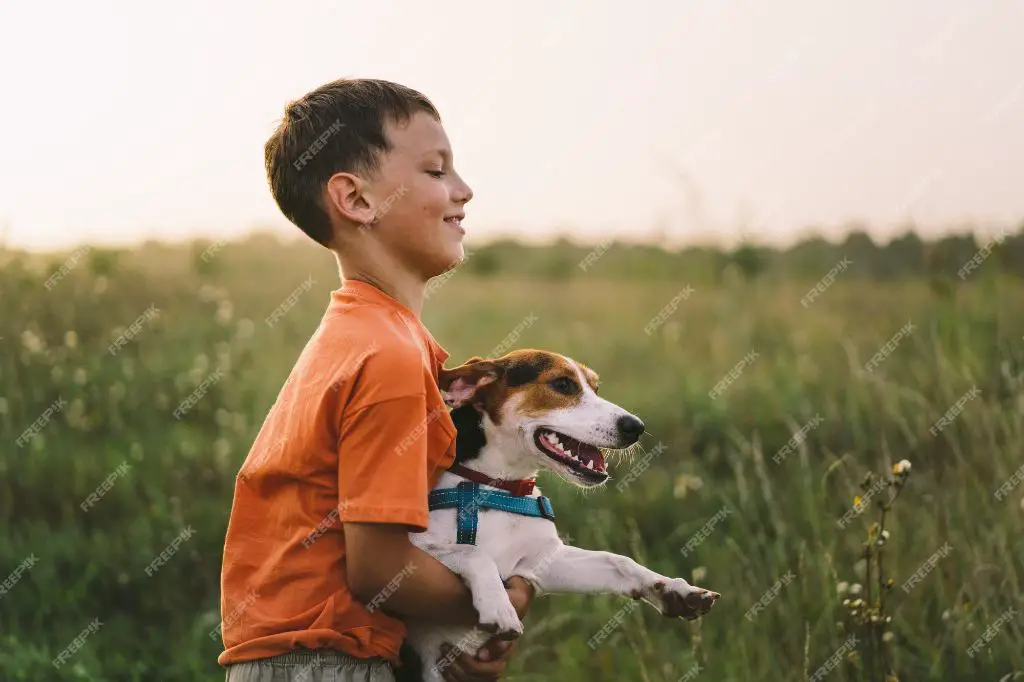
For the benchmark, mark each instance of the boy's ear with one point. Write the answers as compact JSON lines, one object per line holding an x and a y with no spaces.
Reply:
{"x":347,"y":194}
{"x":459,"y":385}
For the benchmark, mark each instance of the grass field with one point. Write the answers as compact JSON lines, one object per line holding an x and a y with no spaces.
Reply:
{"x":865,"y":373}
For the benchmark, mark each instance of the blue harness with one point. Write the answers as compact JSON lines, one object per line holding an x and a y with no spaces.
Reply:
{"x":468,"y":498}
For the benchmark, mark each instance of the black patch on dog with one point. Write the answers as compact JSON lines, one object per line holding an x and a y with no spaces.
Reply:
{"x":469,"y":428}
{"x":525,"y":372}
{"x":412,"y":665}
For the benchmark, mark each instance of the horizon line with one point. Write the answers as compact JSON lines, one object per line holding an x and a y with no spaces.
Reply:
{"x":715,"y":239}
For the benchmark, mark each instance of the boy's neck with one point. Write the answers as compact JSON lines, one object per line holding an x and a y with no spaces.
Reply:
{"x":406,"y":289}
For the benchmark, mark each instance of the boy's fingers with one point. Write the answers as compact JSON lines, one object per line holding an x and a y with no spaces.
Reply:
{"x":453,"y":669}
{"x":448,"y":664}
{"x":495,"y":649}
{"x":450,"y":674}
{"x":453,"y":674}
{"x":488,"y":664}
{"x":476,"y":671}
{"x":466,"y":669}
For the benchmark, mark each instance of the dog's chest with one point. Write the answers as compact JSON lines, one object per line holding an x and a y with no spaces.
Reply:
{"x":509,"y":539}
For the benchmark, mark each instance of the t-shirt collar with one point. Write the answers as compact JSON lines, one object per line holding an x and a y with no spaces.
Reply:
{"x":369,"y":292}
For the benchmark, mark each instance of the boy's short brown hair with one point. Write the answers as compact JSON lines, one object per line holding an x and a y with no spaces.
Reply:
{"x":339,"y":127}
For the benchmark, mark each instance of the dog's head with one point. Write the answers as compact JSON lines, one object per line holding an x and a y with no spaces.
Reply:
{"x":531,"y":410}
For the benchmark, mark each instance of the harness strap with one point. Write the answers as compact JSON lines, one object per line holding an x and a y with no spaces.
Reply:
{"x":468,"y":499}
{"x":468,"y":519}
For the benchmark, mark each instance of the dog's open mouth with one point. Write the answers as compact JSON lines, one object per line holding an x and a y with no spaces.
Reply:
{"x":583,"y":459}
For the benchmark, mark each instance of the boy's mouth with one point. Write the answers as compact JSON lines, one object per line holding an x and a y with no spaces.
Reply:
{"x":455,"y":220}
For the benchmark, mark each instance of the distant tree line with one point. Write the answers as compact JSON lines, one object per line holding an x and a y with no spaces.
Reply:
{"x":957,"y":257}
{"x":945,"y":261}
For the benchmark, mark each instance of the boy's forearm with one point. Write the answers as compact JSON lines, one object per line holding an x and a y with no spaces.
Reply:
{"x":404,"y":580}
{"x":433,"y":592}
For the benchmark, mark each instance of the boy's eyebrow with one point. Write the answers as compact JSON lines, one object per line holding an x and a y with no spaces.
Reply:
{"x":444,"y":154}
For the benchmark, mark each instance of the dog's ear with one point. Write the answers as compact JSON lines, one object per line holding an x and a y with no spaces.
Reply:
{"x":460,"y":384}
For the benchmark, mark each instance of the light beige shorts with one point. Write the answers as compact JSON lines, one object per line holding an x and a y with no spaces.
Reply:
{"x":311,"y":665}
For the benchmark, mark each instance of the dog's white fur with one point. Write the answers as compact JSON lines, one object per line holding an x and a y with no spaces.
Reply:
{"x":511,"y":544}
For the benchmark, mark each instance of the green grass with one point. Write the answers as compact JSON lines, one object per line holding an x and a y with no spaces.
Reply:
{"x":718,"y":455}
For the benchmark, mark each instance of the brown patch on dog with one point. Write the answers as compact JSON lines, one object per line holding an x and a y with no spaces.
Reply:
{"x":528,"y":373}
{"x":592,"y":377}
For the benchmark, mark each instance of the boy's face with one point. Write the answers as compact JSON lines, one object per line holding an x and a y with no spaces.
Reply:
{"x":418,"y":199}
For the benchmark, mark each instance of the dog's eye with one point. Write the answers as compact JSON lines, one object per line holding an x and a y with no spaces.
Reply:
{"x":564,"y":385}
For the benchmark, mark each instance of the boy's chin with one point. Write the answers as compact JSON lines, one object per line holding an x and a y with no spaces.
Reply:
{"x":453,"y":257}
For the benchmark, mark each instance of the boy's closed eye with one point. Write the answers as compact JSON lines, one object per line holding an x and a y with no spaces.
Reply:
{"x":437,"y":161}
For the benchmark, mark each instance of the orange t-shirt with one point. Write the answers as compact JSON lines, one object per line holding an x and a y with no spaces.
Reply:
{"x":359,"y":433}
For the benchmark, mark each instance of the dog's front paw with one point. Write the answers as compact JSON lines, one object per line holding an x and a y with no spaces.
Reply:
{"x":679,"y":598}
{"x":497,"y":615}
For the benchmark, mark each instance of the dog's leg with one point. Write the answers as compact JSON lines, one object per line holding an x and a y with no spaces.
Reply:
{"x":582,"y":571}
{"x":480,"y":573}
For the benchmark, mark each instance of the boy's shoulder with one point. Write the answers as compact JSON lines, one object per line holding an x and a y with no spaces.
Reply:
{"x":376,"y":350}
{"x":374,"y":331}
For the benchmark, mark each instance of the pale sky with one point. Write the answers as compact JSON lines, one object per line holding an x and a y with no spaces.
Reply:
{"x":128,"y":120}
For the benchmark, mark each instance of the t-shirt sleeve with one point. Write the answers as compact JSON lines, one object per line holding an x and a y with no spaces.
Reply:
{"x":382,"y":463}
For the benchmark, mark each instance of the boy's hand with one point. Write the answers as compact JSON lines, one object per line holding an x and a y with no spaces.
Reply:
{"x":521,"y":594}
{"x":490,"y":661}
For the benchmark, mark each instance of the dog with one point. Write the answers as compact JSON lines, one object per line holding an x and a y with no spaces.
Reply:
{"x":516,"y":415}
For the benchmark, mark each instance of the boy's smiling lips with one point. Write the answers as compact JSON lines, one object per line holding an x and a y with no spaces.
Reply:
{"x":456,"y":220}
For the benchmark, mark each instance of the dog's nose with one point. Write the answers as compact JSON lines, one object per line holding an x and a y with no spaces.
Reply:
{"x":630,"y":427}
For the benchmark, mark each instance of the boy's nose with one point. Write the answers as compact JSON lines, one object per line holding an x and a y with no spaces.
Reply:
{"x":462,"y":193}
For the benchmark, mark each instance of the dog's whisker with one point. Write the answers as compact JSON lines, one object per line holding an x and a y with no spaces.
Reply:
{"x":631,"y":452}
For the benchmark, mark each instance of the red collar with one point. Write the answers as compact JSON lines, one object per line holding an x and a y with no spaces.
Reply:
{"x":520,"y":488}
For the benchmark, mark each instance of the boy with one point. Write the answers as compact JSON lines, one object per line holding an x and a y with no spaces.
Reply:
{"x":318,"y":567}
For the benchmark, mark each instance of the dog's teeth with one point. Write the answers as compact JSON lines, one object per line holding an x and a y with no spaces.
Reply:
{"x":590,"y":464}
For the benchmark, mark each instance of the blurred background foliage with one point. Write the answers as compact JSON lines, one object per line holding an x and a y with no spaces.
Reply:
{"x":60,"y":313}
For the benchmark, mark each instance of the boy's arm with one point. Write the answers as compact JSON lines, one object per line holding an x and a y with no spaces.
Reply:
{"x":387,"y":571}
